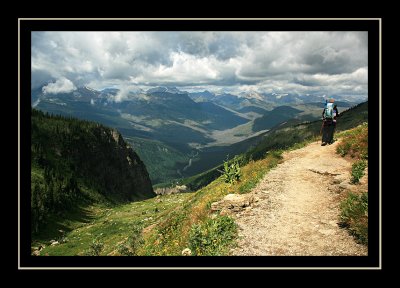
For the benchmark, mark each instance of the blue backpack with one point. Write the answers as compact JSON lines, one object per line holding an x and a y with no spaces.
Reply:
{"x":328,"y":114}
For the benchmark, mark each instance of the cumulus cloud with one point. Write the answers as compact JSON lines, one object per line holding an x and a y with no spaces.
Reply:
{"x":123,"y":93}
{"x":62,"y":85}
{"x":266,"y":61}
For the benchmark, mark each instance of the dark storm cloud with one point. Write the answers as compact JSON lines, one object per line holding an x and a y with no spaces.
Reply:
{"x":334,"y":61}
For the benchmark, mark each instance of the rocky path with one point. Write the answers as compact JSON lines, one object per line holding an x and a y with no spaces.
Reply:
{"x":298,"y":207}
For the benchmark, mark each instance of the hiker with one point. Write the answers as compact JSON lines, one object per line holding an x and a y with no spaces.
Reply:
{"x":335,"y":114}
{"x":329,"y":117}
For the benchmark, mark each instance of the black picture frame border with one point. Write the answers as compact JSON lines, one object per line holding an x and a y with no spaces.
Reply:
{"x":372,"y":261}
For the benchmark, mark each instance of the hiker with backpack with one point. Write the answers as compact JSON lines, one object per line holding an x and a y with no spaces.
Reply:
{"x":329,"y":117}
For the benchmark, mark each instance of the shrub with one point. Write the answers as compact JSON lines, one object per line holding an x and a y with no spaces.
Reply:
{"x":354,"y":209}
{"x":123,"y":249}
{"x":354,"y":216}
{"x":343,"y":149}
{"x":276,"y":154}
{"x":250,"y":184}
{"x":357,"y":171}
{"x":231,"y":172}
{"x":133,"y":243}
{"x":212,"y":237}
{"x":355,"y":143}
{"x":95,"y":248}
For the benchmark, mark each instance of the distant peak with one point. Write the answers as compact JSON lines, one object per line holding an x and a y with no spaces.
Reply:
{"x":109,"y":89}
{"x":90,"y":89}
{"x":168,"y":89}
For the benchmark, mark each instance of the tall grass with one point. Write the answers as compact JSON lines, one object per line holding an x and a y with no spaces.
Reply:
{"x":354,"y":207}
{"x":354,"y":142}
{"x":95,"y":248}
{"x":354,"y":216}
{"x":212,"y":237}
{"x":357,"y":171}
{"x":191,"y":225}
{"x":132,"y":245}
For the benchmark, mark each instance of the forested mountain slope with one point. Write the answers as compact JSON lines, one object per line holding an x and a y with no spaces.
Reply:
{"x":75,"y":161}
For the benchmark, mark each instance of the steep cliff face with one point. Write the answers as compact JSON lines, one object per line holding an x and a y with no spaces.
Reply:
{"x":135,"y":181}
{"x":71,"y":152}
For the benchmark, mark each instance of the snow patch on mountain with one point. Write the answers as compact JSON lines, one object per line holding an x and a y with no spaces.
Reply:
{"x":172,"y":90}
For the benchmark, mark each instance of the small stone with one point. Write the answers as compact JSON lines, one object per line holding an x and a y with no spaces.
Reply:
{"x":345,"y":186}
{"x":54,"y":243}
{"x":186,"y":252}
{"x":224,"y":211}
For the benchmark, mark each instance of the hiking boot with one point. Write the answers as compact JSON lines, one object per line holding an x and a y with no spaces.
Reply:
{"x":323,"y":144}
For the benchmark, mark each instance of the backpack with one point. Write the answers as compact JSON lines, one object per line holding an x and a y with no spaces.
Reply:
{"x":329,"y":111}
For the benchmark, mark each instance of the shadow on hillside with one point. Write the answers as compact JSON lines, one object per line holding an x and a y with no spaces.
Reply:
{"x":62,"y":223}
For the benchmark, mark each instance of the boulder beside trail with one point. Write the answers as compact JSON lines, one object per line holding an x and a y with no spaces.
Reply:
{"x":233,"y":203}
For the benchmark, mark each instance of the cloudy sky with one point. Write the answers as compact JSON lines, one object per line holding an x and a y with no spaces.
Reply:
{"x":282,"y":62}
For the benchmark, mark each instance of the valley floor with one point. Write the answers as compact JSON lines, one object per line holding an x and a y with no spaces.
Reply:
{"x":298,"y":207}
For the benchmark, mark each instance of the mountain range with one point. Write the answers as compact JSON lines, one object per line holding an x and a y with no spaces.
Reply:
{"x":175,"y":132}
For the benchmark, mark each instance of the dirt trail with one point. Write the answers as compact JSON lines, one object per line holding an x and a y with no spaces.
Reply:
{"x":298,"y":209}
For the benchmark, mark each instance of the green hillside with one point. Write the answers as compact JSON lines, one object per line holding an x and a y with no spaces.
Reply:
{"x":274,"y":117}
{"x":163,"y":225}
{"x":75,"y":163}
{"x":167,"y":225}
{"x":162,"y":161}
{"x":295,"y":131}
{"x":281,"y":136}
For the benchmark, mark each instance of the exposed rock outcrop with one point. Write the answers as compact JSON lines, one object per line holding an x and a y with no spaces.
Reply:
{"x":233,"y":203}
{"x":173,"y":190}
